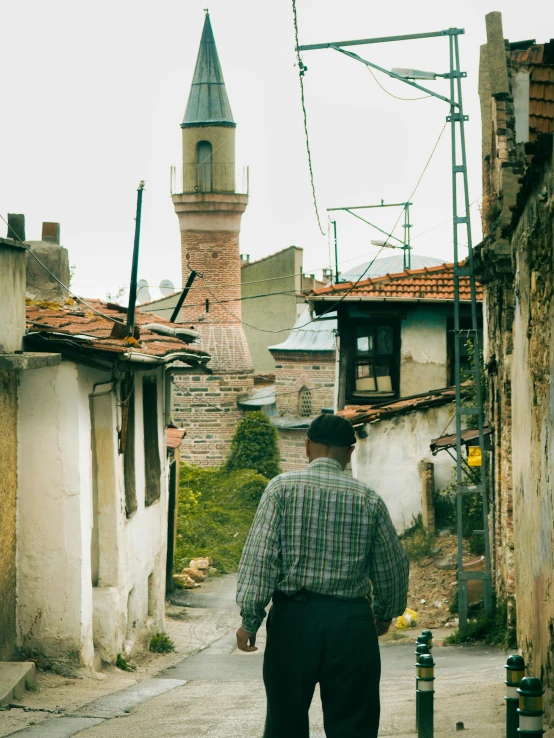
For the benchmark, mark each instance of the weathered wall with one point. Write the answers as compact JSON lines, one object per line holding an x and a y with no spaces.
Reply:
{"x":533,"y":419}
{"x":388,"y":460}
{"x":8,"y":494}
{"x":279,"y":273}
{"x":60,"y":612}
{"x":12,"y":295}
{"x":206,"y":406}
{"x":294,"y":370}
{"x":423,"y":359}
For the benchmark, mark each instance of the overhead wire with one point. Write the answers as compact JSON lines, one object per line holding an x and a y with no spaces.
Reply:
{"x":396,"y":97}
{"x":301,"y":71}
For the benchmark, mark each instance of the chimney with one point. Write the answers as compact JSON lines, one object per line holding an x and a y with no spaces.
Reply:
{"x":51,"y":232}
{"x":16,"y":226}
{"x":40,"y":284}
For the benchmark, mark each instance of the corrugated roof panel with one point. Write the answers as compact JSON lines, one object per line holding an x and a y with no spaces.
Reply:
{"x":310,"y":335}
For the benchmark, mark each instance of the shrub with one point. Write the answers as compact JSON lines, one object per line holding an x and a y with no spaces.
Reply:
{"x":494,"y":630}
{"x":123,"y":664}
{"x":255,"y":445}
{"x":418,"y":542}
{"x":161,"y":643}
{"x":216,"y":509}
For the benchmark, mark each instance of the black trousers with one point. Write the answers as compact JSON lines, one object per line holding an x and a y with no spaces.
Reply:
{"x":315,"y":639}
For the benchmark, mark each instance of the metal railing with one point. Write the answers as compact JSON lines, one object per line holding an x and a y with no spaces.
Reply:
{"x":209,"y":177}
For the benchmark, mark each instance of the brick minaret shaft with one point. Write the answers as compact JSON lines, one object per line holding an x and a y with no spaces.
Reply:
{"x":210,"y":212}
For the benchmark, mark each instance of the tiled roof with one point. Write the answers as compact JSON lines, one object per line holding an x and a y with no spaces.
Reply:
{"x":539,"y":59}
{"x":174,"y":436}
{"x":429,"y":283}
{"x":360,"y":414}
{"x":88,"y":330}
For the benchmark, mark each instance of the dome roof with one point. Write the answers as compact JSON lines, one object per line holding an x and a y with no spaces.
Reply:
{"x":388,"y":265}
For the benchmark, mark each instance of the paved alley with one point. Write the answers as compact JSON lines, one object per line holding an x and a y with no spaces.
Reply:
{"x":219,"y":693}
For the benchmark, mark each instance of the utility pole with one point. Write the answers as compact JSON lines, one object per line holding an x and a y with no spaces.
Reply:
{"x":461,"y":219}
{"x":336,"y":252}
{"x":134,"y":267}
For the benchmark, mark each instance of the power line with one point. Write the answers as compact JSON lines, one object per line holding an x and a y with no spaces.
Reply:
{"x":434,"y":228}
{"x":407,"y":99}
{"x":65,"y":287}
{"x":291,"y":293}
{"x":301,"y":71}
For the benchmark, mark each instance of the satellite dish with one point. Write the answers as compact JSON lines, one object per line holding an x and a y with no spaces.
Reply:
{"x":167,"y":287}
{"x":143,"y":293}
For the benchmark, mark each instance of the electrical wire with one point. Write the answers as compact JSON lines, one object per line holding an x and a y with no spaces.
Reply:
{"x":434,"y":228}
{"x":291,"y":293}
{"x":301,"y":71}
{"x":73,"y":295}
{"x":407,"y":99}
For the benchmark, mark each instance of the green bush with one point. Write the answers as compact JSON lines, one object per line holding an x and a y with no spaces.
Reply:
{"x":255,"y":445}
{"x":216,"y":509}
{"x":493,"y":630}
{"x":161,"y":643}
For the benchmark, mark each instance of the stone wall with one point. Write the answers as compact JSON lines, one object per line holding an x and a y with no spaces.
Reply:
{"x":294,"y":370}
{"x":292,"y":445}
{"x":206,"y":407}
{"x":8,"y":496}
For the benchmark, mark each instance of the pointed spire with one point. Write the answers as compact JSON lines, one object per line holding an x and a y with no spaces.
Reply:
{"x":208,"y":102}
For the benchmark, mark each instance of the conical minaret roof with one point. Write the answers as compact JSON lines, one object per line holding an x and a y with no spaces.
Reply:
{"x":208,"y":103}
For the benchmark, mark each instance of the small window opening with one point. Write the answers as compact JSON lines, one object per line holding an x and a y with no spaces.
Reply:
{"x":152,"y":467}
{"x":204,"y":166}
{"x":305,"y":402}
{"x":207,"y":305}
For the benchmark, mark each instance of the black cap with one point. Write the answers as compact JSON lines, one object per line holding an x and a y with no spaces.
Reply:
{"x":331,"y":430}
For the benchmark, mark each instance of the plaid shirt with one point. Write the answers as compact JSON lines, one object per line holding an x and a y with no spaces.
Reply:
{"x":321,"y":530}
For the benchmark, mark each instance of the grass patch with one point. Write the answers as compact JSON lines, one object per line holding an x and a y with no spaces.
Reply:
{"x":418,"y":542}
{"x":493,"y":630}
{"x":161,"y":643}
{"x":216,"y":509}
{"x":123,"y":664}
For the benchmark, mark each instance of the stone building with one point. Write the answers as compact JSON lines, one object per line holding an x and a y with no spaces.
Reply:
{"x":515,"y":263}
{"x":209,"y":203}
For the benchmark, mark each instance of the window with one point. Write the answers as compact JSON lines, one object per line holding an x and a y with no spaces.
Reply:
{"x":204,"y":166}
{"x":305,"y":402}
{"x":152,"y":467}
{"x":128,"y":443}
{"x":375,"y":360}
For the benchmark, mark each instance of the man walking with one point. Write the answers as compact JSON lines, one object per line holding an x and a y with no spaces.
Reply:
{"x":320,"y":545}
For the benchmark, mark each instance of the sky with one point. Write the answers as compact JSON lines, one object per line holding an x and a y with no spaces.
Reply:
{"x":94,"y":94}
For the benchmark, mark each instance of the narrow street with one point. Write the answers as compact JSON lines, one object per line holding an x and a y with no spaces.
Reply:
{"x":218,"y":692}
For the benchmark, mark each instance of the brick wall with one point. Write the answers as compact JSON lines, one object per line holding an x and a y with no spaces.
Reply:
{"x":293,"y":449}
{"x":215,"y":254}
{"x":294,"y":370}
{"x":206,"y":406}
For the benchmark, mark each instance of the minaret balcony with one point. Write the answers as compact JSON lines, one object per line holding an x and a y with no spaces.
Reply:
{"x":209,"y":177}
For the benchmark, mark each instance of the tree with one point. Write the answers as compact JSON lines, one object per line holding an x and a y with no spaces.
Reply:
{"x":255,"y":446}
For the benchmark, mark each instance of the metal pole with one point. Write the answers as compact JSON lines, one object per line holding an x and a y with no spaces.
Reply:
{"x":425,"y":689}
{"x":183,"y":296}
{"x":421,"y":649}
{"x":407,"y":247}
{"x":515,"y":671}
{"x":336,"y":252}
{"x":134,"y":267}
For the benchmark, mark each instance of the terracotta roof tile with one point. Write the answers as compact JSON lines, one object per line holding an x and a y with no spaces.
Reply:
{"x":429,"y":283}
{"x":360,"y":414}
{"x":94,"y":332}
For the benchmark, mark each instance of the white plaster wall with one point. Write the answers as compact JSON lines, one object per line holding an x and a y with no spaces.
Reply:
{"x":59,"y":611}
{"x":387,"y":460}
{"x":423,"y":350}
{"x":54,"y":514}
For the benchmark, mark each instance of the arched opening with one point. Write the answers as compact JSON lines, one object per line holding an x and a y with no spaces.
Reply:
{"x":305,"y":402}
{"x":204,"y":166}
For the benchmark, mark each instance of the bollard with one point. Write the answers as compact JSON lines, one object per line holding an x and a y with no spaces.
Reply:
{"x":530,"y":708}
{"x":421,"y":649}
{"x":429,"y":635}
{"x":515,"y":671}
{"x":425,"y":690}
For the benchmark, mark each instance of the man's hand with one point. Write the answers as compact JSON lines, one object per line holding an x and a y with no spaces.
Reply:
{"x":382,"y":626}
{"x":246,"y":641}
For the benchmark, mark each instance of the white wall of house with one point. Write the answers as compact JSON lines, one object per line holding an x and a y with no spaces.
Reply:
{"x":65,"y":521}
{"x":388,"y":459}
{"x":423,"y":353}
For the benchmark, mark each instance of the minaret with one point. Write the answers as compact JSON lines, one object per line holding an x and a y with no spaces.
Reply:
{"x":210,"y":210}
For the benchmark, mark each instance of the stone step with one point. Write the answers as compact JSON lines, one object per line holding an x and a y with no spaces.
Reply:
{"x":15,"y":678}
